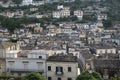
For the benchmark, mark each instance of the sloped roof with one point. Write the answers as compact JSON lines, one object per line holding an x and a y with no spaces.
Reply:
{"x":104,"y":63}
{"x":64,"y":58}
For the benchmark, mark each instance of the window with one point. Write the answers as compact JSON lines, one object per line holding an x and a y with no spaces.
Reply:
{"x":59,"y":78}
{"x":40,"y":65}
{"x":40,"y":57}
{"x":10,"y":48}
{"x":12,"y":74}
{"x":69,"y":79}
{"x":69,"y":69}
{"x":59,"y":70}
{"x":19,"y":74}
{"x":11,"y":64}
{"x":49,"y":68}
{"x":15,"y":47}
{"x":25,"y":64}
{"x":49,"y":78}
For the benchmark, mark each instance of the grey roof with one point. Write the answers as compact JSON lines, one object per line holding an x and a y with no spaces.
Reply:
{"x":62,"y":58}
{"x":105,"y":63}
{"x":103,"y":46}
{"x":109,"y":56}
{"x":86,"y":54}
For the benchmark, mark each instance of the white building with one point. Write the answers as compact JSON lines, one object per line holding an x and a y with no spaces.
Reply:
{"x":60,"y":7}
{"x":56,"y":14}
{"x":65,"y":12}
{"x":40,"y":2}
{"x":32,"y":62}
{"x":83,"y":26}
{"x":102,"y":17}
{"x":67,"y":30}
{"x":27,"y":2}
{"x":9,"y":49}
{"x":104,"y":49}
{"x":79,"y":14}
{"x":52,"y":1}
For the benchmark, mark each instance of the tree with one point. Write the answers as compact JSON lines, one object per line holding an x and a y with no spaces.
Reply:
{"x":89,"y":76}
{"x":90,"y":17}
{"x":73,"y":18}
{"x":10,"y":24}
{"x":4,"y":1}
{"x":17,"y":1}
{"x":107,"y":23}
{"x":33,"y":76}
{"x":13,"y":40}
{"x":10,"y":77}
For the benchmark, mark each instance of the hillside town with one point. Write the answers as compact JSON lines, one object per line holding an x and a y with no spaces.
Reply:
{"x":61,"y":49}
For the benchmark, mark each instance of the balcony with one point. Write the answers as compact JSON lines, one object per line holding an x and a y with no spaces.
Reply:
{"x":59,"y":73}
{"x":25,"y":70}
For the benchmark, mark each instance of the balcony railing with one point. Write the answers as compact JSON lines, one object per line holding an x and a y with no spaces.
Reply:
{"x":25,"y":70}
{"x":59,"y":73}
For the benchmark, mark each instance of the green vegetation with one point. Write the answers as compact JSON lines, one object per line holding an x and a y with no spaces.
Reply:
{"x":4,"y":1}
{"x":89,"y":76}
{"x":29,"y":76}
{"x":113,"y":9}
{"x":79,"y":4}
{"x":17,"y":1}
{"x":41,"y":9}
{"x":107,"y":23}
{"x":87,"y":18}
{"x":13,"y":40}
{"x":71,"y":18}
{"x":33,"y":76}
{"x":10,"y":77}
{"x":12,"y":23}
{"x":15,"y":23}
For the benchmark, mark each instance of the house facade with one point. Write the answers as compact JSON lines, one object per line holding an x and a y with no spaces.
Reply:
{"x":31,"y":62}
{"x":79,"y":14}
{"x":62,"y":68}
{"x":65,"y":12}
{"x":9,"y":49}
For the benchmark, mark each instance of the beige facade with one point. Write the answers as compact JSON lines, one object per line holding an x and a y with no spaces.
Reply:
{"x":103,"y":51}
{"x":2,"y":69}
{"x":79,"y":14}
{"x":8,"y":49}
{"x":38,"y":29}
{"x":61,"y":70}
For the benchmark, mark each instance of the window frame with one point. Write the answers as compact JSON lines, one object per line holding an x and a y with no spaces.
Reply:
{"x":59,"y":78}
{"x":49,"y":68}
{"x":49,"y":78}
{"x":69,"y":69}
{"x":69,"y":78}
